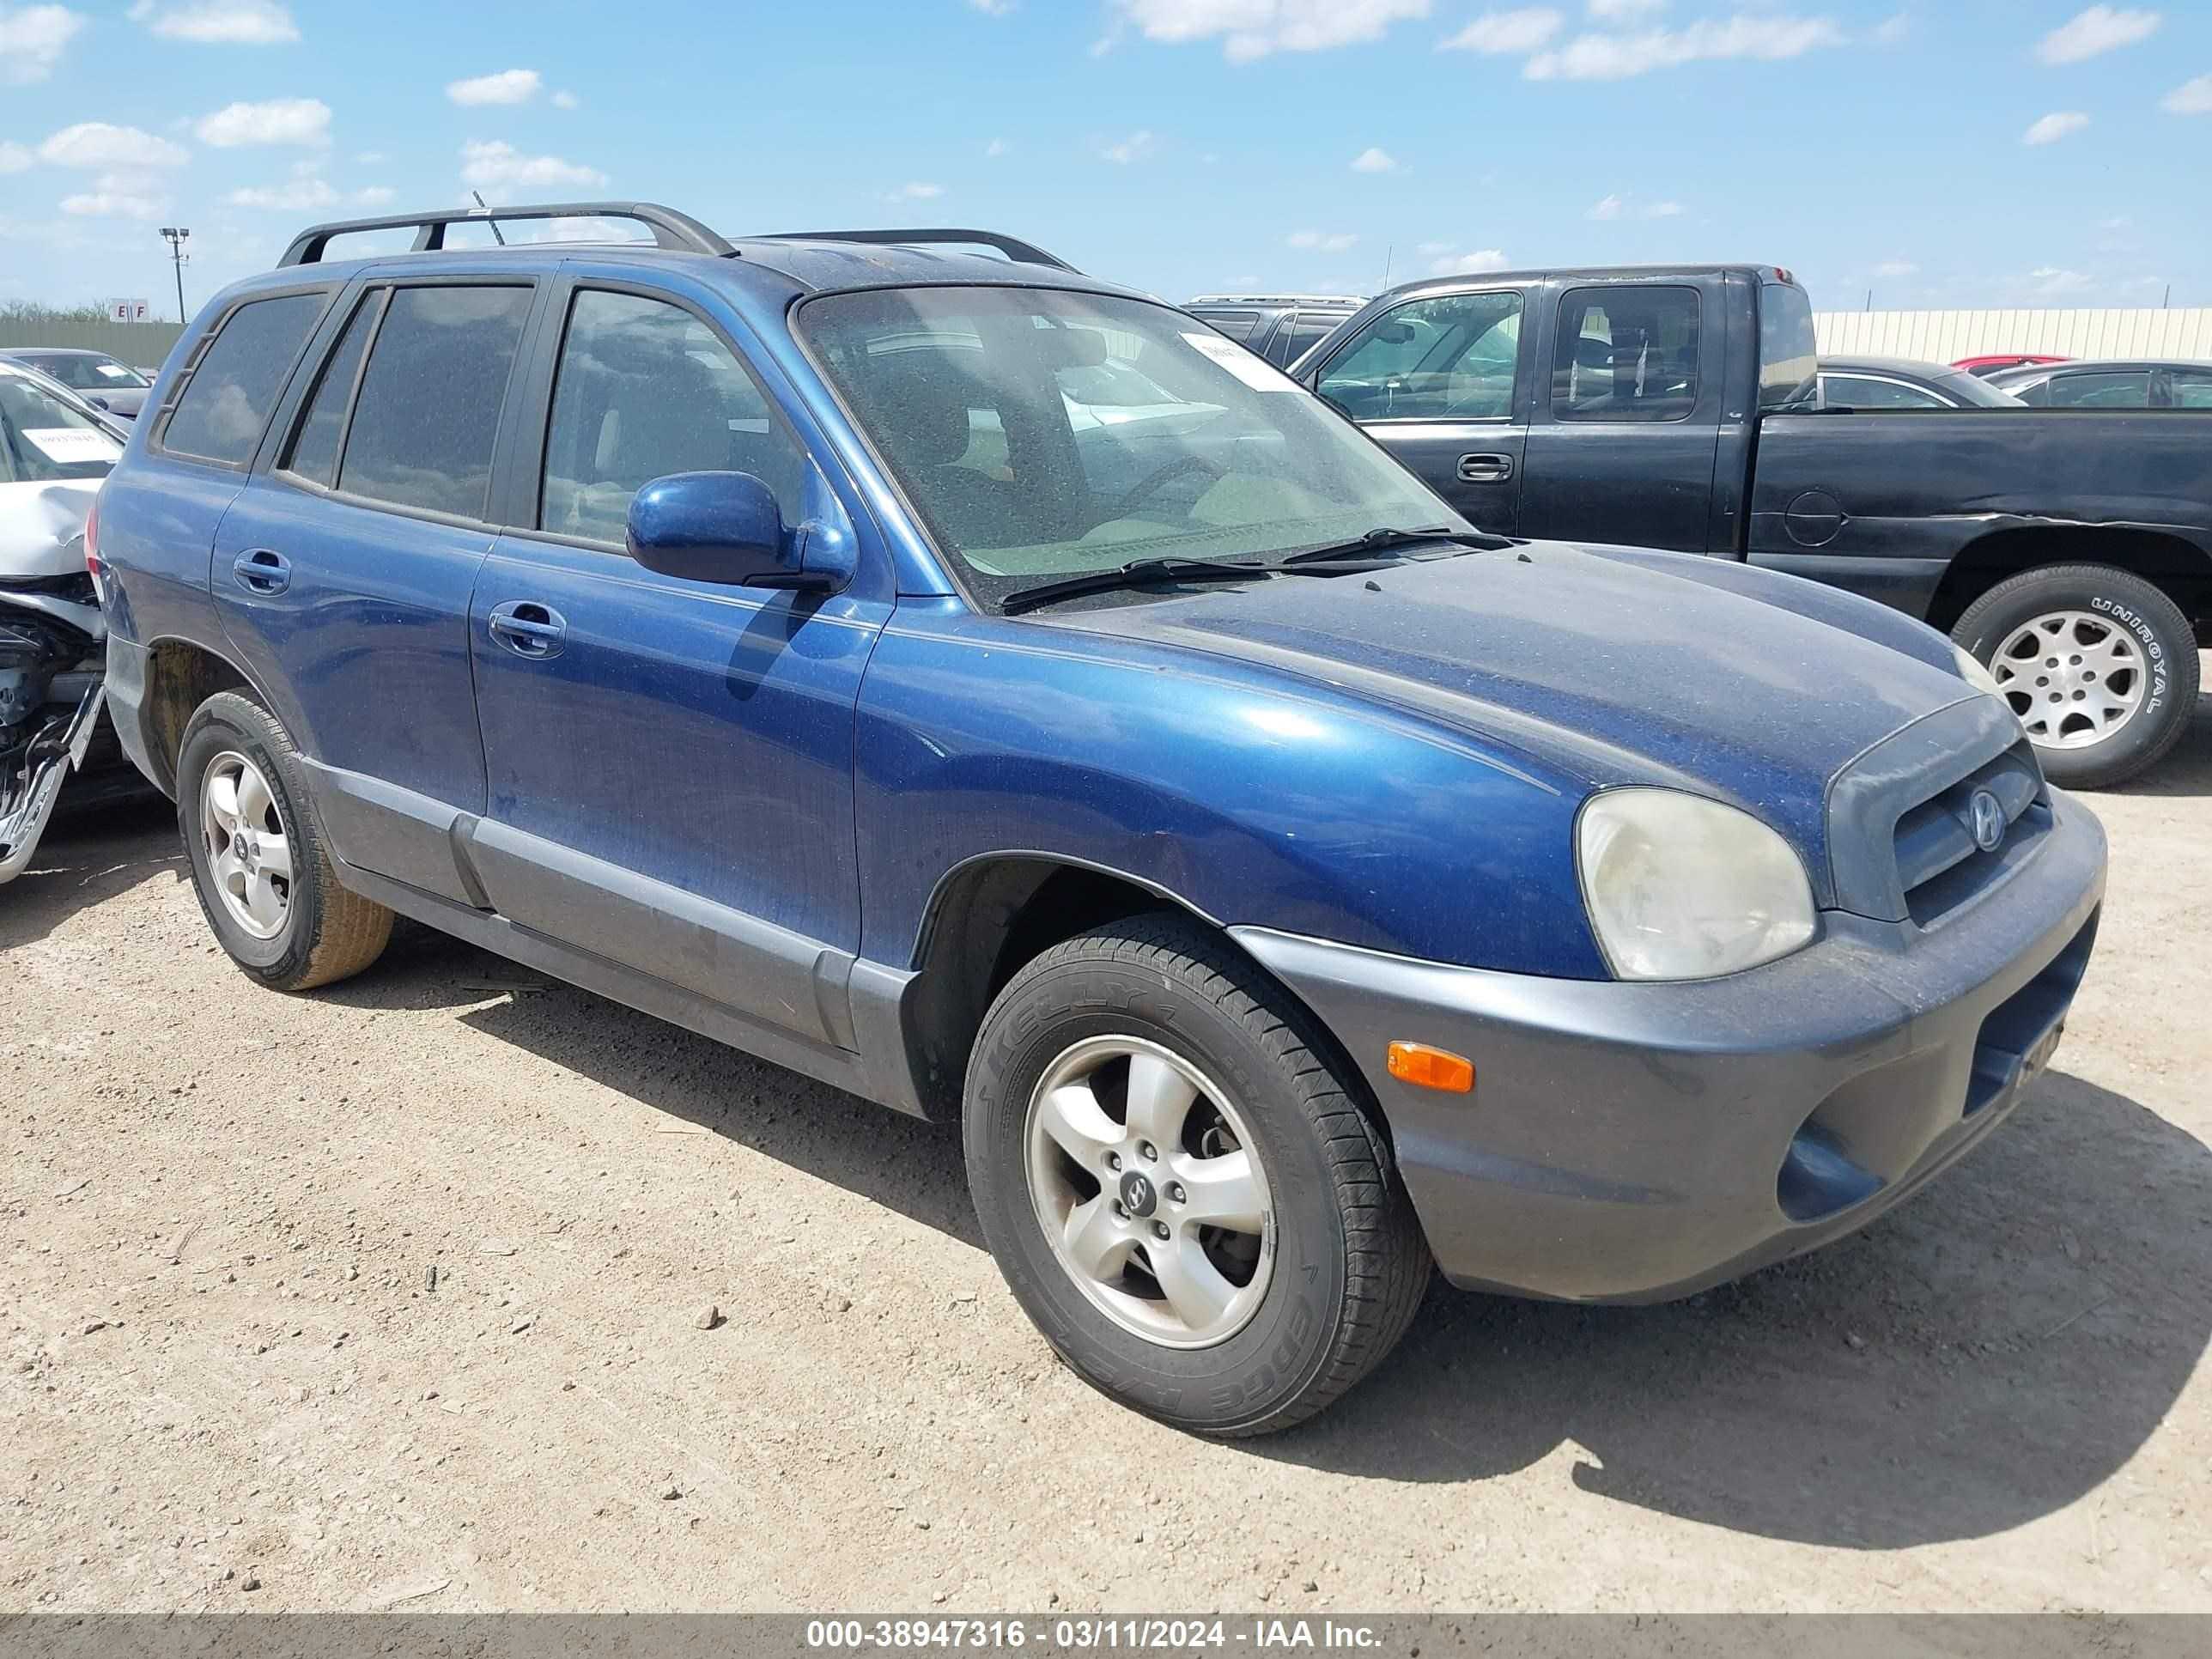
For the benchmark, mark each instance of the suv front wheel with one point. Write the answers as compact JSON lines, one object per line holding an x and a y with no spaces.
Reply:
{"x":1183,"y":1193}
{"x":263,"y":875}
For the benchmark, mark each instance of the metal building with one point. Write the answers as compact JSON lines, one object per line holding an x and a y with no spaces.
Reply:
{"x":1945,"y":337}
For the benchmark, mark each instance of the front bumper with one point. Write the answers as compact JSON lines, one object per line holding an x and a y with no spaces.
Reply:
{"x":1637,"y":1142}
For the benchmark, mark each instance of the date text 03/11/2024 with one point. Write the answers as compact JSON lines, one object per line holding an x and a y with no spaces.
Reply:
{"x":1081,"y":1635}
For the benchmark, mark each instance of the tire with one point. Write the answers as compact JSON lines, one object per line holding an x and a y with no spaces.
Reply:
{"x":1338,"y":1260}
{"x":317,"y":932}
{"x":2072,"y":608}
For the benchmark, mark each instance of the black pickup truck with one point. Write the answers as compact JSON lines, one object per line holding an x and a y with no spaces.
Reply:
{"x":2069,"y":551}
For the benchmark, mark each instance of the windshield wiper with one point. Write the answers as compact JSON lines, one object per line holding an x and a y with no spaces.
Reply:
{"x":1385,"y":538}
{"x":1140,"y":573}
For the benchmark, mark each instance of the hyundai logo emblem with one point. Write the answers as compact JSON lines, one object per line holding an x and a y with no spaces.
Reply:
{"x":1989,"y":820}
{"x":1137,"y":1196}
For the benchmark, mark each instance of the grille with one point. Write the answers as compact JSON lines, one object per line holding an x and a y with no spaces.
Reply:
{"x":1940,"y":865}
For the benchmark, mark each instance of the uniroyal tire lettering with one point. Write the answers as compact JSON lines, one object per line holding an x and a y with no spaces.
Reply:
{"x":2154,"y":647}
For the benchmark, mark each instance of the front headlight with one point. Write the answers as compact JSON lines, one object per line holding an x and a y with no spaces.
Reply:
{"x":1680,"y":887}
{"x":1972,"y":671}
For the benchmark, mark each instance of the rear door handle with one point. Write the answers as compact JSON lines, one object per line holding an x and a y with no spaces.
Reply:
{"x":262,"y":571}
{"x":1485,"y":469}
{"x":528,"y":629}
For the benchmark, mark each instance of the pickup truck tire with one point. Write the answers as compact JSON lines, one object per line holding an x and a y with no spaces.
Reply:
{"x":2057,"y":638}
{"x":238,"y":775}
{"x":1155,"y":1026}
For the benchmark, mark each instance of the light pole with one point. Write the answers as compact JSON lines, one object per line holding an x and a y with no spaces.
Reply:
{"x":176,"y":236}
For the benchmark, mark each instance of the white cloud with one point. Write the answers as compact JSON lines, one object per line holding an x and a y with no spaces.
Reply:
{"x":499,"y":166}
{"x":2100,"y":30}
{"x":120,"y":194}
{"x":565,"y":98}
{"x":2051,"y":282}
{"x":1254,"y":28}
{"x":2191,"y":98}
{"x":995,"y":148}
{"x":221,"y":22}
{"x":1892,"y":30}
{"x":279,"y":121}
{"x":1663,"y":210}
{"x":371,"y":158}
{"x":1321,"y":241}
{"x":1893,"y":268}
{"x":1764,"y":37}
{"x":516,"y":86}
{"x":1524,"y":30}
{"x":995,"y":8}
{"x":1135,"y":148}
{"x":31,"y":41}
{"x":373,"y":196}
{"x":1624,"y":11}
{"x":295,"y":195}
{"x":1610,"y":207}
{"x":1372,"y":159}
{"x":97,"y":144}
{"x":15,"y":158}
{"x":1478,"y":262}
{"x":2064,"y":124}
{"x":1430,"y":250}
{"x":915,"y":192}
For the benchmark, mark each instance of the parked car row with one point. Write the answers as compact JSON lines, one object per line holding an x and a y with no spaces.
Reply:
{"x":992,"y":691}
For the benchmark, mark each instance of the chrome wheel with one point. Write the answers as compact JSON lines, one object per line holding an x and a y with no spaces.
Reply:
{"x":2074,"y":678}
{"x":249,"y":856}
{"x":1150,"y":1191}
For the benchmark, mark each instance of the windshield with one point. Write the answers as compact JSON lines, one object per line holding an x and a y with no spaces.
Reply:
{"x":43,"y":440}
{"x":1788,"y":358}
{"x":1044,"y":433}
{"x":88,"y":373}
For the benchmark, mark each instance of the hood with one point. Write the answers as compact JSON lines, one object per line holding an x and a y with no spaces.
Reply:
{"x":1604,"y":668}
{"x":39,"y":527}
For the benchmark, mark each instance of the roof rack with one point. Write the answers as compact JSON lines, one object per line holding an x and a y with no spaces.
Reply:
{"x":1278,"y":300}
{"x":670,"y":229}
{"x":1021,"y":253}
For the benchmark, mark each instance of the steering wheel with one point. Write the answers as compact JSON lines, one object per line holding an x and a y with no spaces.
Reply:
{"x":1145,"y":486}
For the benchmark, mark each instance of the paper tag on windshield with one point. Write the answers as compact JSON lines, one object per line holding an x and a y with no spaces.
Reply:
{"x":70,"y":446}
{"x":1256,"y":372}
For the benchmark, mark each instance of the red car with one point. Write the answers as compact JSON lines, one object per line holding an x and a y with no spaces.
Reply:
{"x":2007,"y":360}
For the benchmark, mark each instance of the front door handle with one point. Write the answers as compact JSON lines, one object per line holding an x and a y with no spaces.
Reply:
{"x":528,"y":629}
{"x":262,"y":571}
{"x":1485,"y":469}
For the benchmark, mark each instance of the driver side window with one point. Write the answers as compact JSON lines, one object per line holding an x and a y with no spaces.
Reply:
{"x":645,"y":389}
{"x":1450,"y":358}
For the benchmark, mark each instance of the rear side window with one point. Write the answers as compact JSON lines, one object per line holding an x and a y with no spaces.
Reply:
{"x":1788,"y":353}
{"x":1850,"y":392}
{"x":428,"y":415}
{"x":1237,"y":325}
{"x":315,"y":452}
{"x":2192,"y":388}
{"x":1299,"y":334}
{"x":228,"y":399}
{"x":1626,"y":354}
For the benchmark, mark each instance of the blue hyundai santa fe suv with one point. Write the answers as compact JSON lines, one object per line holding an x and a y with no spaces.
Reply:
{"x":991,"y":691}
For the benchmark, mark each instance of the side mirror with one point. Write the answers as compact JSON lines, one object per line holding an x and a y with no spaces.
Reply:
{"x":719,"y":527}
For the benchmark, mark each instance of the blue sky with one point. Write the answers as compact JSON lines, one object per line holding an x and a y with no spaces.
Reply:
{"x":1941,"y":153}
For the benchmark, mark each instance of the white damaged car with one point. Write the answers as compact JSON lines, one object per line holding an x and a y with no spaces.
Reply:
{"x":55,"y":452}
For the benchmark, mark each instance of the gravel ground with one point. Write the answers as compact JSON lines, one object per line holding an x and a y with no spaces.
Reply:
{"x":393,"y":1296}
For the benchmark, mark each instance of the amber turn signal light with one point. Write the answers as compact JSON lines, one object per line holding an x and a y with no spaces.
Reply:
{"x":1432,"y":1068}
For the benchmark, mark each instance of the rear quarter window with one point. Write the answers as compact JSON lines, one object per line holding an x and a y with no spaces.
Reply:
{"x":227,"y":401}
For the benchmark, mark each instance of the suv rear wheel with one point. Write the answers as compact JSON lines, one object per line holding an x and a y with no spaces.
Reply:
{"x":1181,"y":1192}
{"x":262,"y":876}
{"x":2100,"y":665}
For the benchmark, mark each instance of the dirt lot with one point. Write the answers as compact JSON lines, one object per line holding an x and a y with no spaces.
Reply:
{"x":229,"y":1382}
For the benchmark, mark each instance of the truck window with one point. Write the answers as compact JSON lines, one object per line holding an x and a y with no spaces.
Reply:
{"x":1303,"y":330}
{"x":1627,"y":353}
{"x":1448,"y":358}
{"x":1237,"y":325}
{"x":1789,"y":355}
{"x":2192,"y":388}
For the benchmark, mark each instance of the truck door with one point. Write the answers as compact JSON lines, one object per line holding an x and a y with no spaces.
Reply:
{"x":1625,"y":430}
{"x":1434,"y":381}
